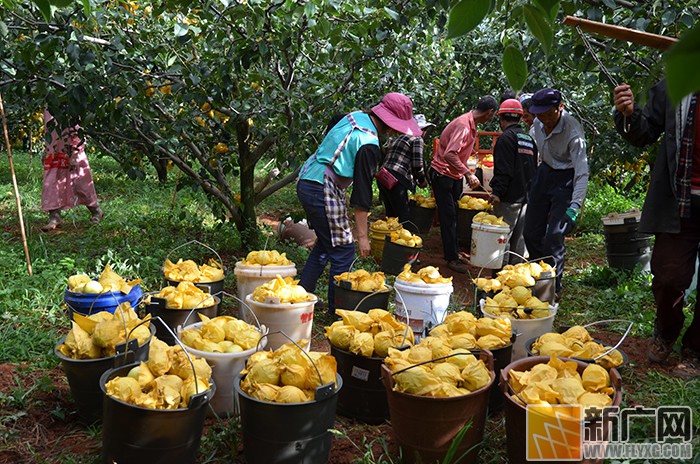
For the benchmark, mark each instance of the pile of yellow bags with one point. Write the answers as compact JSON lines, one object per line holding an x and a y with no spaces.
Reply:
{"x":189,"y":271}
{"x":222,"y":334}
{"x":576,"y":342}
{"x":368,"y":334}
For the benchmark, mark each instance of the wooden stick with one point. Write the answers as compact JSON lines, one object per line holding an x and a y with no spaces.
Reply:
{"x":660,"y":42}
{"x":14,"y":184}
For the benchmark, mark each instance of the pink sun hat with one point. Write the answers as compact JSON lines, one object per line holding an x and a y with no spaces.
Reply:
{"x":396,"y":111}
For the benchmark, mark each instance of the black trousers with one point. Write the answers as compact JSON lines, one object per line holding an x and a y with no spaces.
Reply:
{"x":447,"y":193}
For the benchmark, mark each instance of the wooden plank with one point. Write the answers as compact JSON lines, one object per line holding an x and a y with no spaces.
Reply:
{"x":647,"y":39}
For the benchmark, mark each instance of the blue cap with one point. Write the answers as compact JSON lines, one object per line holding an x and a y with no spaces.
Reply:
{"x":544,"y":99}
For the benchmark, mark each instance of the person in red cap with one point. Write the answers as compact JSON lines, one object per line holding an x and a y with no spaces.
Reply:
{"x":514,"y":165}
{"x":671,"y":212}
{"x":560,"y":183}
{"x":449,"y":167}
{"x":348,"y":155}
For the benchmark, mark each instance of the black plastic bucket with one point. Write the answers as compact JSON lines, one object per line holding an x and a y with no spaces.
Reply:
{"x":464,"y":226}
{"x":395,"y":256}
{"x":501,"y":358}
{"x":281,"y":433}
{"x":422,"y":218}
{"x":631,"y":245}
{"x":629,"y":261}
{"x":347,"y":298}
{"x":133,"y":434}
{"x":83,"y":375}
{"x":173,"y":318}
{"x":363,"y":396}
{"x":620,"y":233}
{"x":212,"y":288}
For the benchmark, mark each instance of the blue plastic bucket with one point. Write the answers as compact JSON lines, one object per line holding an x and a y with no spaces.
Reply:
{"x":89,"y":303}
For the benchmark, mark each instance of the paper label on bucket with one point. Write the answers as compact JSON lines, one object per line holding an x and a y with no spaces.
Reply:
{"x":359,"y":373}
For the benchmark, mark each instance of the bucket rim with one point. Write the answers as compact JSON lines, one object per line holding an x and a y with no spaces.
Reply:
{"x":489,"y":227}
{"x":222,"y":356}
{"x":351,"y":354}
{"x":239,"y":390}
{"x":217,"y":301}
{"x":422,"y":283}
{"x":256,"y":267}
{"x":127,"y":367}
{"x":193,"y":282}
{"x":378,"y":292}
{"x":59,"y":355}
{"x":95,"y":296}
{"x":615,"y":379}
{"x":386,"y":372}
{"x":625,"y":358}
{"x":249,"y":299}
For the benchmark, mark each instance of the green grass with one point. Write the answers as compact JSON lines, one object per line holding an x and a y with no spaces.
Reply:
{"x":144,"y":221}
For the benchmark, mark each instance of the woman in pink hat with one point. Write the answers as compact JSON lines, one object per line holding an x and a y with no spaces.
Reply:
{"x":348,"y":155}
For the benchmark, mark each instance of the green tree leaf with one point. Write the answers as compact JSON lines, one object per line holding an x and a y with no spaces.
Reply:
{"x":514,"y":67}
{"x":551,"y":7}
{"x":539,"y":27}
{"x":45,"y":8}
{"x":683,"y":66}
{"x":465,"y":16}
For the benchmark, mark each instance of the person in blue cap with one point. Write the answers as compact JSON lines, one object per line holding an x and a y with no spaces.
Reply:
{"x":559,"y":187}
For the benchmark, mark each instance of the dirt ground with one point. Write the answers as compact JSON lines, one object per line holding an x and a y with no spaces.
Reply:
{"x":40,"y":423}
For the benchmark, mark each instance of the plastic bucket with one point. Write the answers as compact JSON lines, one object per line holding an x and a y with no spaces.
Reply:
{"x":526,"y":329}
{"x":630,"y":245}
{"x":83,"y":376}
{"x":464,"y":225}
{"x":421,"y":217}
{"x":87,"y":303}
{"x":487,"y":174}
{"x":425,"y":427}
{"x":131,"y":433}
{"x":395,"y":256}
{"x":347,"y":298}
{"x":248,"y":278}
{"x":173,"y":318}
{"x":293,"y":433}
{"x":225,"y":368}
{"x":294,"y":319}
{"x":363,"y":396}
{"x":212,"y":288}
{"x":515,"y":413}
{"x":545,"y":288}
{"x":488,"y":245}
{"x":425,"y":304}
{"x":376,"y":242}
{"x":629,"y":261}
{"x":501,"y":358}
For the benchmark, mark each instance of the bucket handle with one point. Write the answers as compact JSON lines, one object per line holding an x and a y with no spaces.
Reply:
{"x":189,"y":358}
{"x":369,"y":295}
{"x":630,"y":324}
{"x":130,"y":345}
{"x":408,"y":319}
{"x":489,"y":364}
{"x":167,"y":257}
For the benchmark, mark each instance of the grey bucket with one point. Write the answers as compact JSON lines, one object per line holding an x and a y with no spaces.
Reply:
{"x":84,"y":375}
{"x":281,"y":433}
{"x":133,"y":434}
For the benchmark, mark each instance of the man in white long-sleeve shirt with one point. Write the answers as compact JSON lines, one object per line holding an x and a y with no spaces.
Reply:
{"x":560,"y":183}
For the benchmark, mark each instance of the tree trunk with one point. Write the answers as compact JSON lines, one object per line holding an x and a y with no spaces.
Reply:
{"x":247,"y":224}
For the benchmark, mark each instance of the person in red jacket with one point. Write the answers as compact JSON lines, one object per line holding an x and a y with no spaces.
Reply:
{"x":449,"y":167}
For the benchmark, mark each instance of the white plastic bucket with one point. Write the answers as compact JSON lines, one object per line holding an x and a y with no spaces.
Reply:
{"x":526,"y":329}
{"x":225,"y":368}
{"x":294,"y":319}
{"x":248,"y":277}
{"x":488,"y":245}
{"x":425,"y":304}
